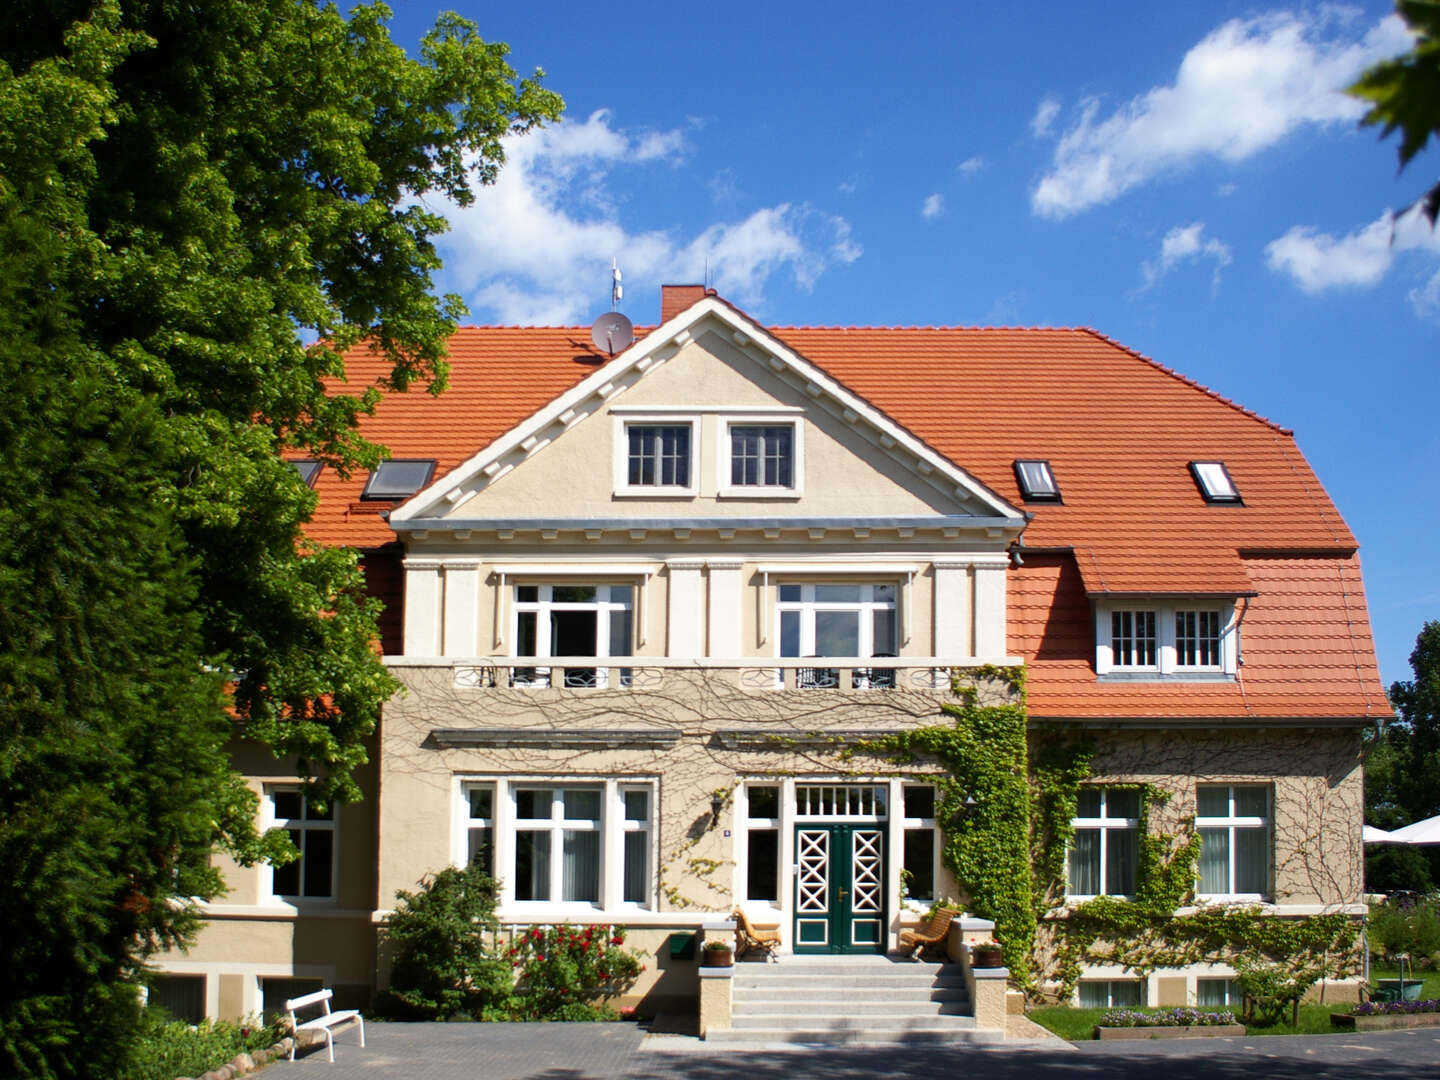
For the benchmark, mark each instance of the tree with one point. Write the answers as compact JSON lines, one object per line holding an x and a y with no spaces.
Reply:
{"x":1405,"y":92}
{"x":188,"y":193}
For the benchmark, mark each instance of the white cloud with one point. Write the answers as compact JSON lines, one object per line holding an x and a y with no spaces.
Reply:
{"x":1045,"y":114}
{"x":1246,"y":86}
{"x":1426,"y":299}
{"x":535,"y":248}
{"x":933,"y":207}
{"x":1317,"y":261}
{"x":1186,"y":242}
{"x":971,"y":166}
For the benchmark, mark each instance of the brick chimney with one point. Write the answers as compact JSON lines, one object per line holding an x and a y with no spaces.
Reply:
{"x":676,"y":298}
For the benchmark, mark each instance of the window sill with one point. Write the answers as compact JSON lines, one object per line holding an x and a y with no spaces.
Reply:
{"x":656,"y":492}
{"x":1144,"y":675}
{"x":758,"y":492}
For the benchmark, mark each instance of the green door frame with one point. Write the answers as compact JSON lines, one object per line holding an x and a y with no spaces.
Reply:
{"x":825,"y":916}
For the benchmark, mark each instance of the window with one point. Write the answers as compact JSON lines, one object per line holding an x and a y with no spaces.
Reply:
{"x":1182,"y":640}
{"x":181,"y":996}
{"x":1037,"y":481}
{"x":762,"y":455}
{"x":1110,"y":993}
{"x":1234,"y":826}
{"x":587,"y":841}
{"x":838,"y":620}
{"x":572,"y":620}
{"x":762,"y":838}
{"x":312,"y":875}
{"x":1197,"y":639}
{"x":1213,"y":480}
{"x":921,"y":847}
{"x":658,"y":456}
{"x":1105,"y":848}
{"x":398,"y":479}
{"x":307,"y":471}
{"x":1132,"y":638}
{"x":1217,"y":992}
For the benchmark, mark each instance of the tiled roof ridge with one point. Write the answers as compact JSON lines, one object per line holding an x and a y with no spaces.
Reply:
{"x":1193,"y":384}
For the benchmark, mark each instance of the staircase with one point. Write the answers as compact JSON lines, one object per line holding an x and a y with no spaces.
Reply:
{"x":849,"y":999}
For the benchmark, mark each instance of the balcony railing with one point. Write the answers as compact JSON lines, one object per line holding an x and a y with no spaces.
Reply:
{"x":799,"y":674}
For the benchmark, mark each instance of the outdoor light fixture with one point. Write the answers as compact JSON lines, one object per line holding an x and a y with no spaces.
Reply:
{"x":717,"y":803}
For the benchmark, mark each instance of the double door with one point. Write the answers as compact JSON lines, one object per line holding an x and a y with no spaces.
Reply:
{"x":840,"y":888}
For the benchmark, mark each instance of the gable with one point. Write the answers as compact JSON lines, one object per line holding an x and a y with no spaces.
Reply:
{"x":709,"y":370}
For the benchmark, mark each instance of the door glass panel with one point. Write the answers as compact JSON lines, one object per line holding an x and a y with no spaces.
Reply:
{"x":837,"y":633}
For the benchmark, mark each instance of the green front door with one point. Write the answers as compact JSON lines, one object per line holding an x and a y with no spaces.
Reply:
{"x":840,"y":888}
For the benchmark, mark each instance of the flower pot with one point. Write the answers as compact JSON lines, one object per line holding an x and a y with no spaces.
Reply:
{"x":986,"y":956}
{"x":718,"y":957}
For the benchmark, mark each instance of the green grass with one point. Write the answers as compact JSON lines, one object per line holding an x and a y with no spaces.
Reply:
{"x":1077,"y":1025}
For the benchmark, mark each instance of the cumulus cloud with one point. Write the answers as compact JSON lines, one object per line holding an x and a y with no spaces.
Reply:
{"x":1186,"y":242}
{"x":933,"y":206}
{"x":971,"y":166}
{"x":1317,"y":262}
{"x":1044,"y":118}
{"x":536,"y":247}
{"x":1247,"y":85}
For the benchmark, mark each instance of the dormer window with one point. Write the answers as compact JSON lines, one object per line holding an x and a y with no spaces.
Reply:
{"x":398,"y":479}
{"x":1037,"y":481}
{"x":307,"y":470}
{"x":1169,"y":639}
{"x":1213,"y":480}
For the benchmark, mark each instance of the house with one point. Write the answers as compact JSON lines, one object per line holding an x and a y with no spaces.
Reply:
{"x":636,"y":603}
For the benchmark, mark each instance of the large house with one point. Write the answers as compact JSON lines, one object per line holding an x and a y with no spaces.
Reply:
{"x":636,"y":601}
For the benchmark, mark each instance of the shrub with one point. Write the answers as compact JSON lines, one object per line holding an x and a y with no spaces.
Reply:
{"x":1406,"y":924}
{"x":1168,"y":1018}
{"x":165,"y":1049}
{"x":443,"y":967}
{"x":1270,"y":988}
{"x":563,"y":969}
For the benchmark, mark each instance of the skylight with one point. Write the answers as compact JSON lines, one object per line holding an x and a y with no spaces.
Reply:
{"x":398,"y":479}
{"x":1213,"y":480}
{"x":1037,"y":481}
{"x":308,"y":471}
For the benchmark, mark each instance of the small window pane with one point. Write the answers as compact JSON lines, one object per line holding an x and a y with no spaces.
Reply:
{"x":837,"y":633}
{"x":317,"y":863}
{"x":398,"y":479}
{"x":1124,"y":992}
{"x":1215,"y":860}
{"x":764,"y":802}
{"x":1250,"y":802}
{"x":582,"y":805}
{"x":482,"y":849}
{"x":1214,"y":481}
{"x":1087,"y":802}
{"x":1252,"y":864}
{"x":314,"y":814}
{"x":637,"y":804}
{"x":581,"y":866}
{"x":637,"y":863}
{"x":285,"y":880}
{"x":525,"y":633}
{"x":837,"y":594}
{"x":527,"y":594}
{"x":532,"y":805}
{"x":532,"y":865}
{"x":920,"y":863}
{"x":482,"y":803}
{"x":1094,"y":995}
{"x":1122,"y":803}
{"x":790,"y":594}
{"x":573,"y":594}
{"x":1213,"y":802}
{"x":790,"y":633}
{"x":763,"y":865}
{"x":1120,"y":861}
{"x":883,"y":633}
{"x":919,"y":801}
{"x":1212,"y":992}
{"x":1037,"y":481}
{"x":1085,"y":863}
{"x":620,"y":633}
{"x":288,"y":805}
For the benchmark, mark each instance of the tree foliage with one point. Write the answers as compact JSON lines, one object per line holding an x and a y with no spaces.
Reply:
{"x":189,"y":193}
{"x":1405,"y":92}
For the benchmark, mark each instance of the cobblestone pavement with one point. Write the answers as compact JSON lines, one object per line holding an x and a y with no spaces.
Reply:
{"x":595,"y":1051}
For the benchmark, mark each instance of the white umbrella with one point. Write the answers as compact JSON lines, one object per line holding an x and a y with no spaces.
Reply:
{"x":1371,"y":835}
{"x":1421,"y":832}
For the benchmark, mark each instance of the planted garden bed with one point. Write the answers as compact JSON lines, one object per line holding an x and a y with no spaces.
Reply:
{"x":1390,"y":1015}
{"x":1170,"y":1024}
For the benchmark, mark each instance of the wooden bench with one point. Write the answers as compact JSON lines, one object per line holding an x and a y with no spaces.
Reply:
{"x":931,"y":934}
{"x":326,"y":1022}
{"x":750,"y":935}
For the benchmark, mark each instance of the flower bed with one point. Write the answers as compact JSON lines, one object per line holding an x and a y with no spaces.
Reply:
{"x":1389,"y":1015}
{"x":1170,"y":1024}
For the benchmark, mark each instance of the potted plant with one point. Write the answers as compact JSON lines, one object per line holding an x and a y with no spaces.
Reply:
{"x":986,"y":954}
{"x":718,"y":954}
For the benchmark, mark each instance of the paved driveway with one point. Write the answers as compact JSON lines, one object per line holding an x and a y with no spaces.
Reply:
{"x":594,"y":1051}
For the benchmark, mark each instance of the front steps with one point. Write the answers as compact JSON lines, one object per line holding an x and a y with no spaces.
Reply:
{"x":849,"y":999}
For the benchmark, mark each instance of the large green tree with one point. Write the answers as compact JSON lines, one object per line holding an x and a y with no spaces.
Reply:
{"x":189,"y":193}
{"x":1405,"y":92}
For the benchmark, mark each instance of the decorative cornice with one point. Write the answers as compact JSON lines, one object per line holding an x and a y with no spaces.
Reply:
{"x":787,"y":738}
{"x":557,"y":738}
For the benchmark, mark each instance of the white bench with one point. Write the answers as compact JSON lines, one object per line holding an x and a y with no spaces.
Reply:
{"x":326,"y":1022}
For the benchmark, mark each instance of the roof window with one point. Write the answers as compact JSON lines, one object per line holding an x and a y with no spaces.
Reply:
{"x":398,"y":479}
{"x":307,"y":469}
{"x":1037,"y":481}
{"x":1213,"y":480}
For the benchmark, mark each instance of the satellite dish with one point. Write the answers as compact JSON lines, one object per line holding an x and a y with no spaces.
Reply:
{"x":612,"y":332}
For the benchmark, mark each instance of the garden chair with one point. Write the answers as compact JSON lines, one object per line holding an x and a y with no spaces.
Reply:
{"x":931,"y":934}
{"x":748,"y":935}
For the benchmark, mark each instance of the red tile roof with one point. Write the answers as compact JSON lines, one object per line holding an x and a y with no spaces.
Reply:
{"x":1119,"y":431}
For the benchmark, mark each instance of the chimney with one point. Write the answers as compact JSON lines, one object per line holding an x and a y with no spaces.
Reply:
{"x":676,"y":298}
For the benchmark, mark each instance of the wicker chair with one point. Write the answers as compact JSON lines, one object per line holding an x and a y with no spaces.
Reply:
{"x":931,"y":934}
{"x":749,"y":936}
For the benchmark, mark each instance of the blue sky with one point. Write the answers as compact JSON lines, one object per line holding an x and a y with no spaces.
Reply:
{"x":1184,"y":178}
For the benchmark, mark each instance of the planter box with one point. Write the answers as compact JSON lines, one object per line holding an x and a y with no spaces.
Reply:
{"x":1385,"y":1021}
{"x":1186,"y":1031}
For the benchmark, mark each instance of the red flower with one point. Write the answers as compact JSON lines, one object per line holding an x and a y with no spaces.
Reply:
{"x":617,"y":940}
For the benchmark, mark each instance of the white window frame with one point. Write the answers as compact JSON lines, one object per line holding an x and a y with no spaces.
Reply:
{"x":808,"y":607}
{"x":1104,"y":824}
{"x":750,"y":824}
{"x":613,"y":825}
{"x":1233,"y":996}
{"x":623,"y":487}
{"x":544,"y":606}
{"x":1232,"y":822}
{"x":727,"y":490}
{"x":269,"y":819}
{"x":910,"y":825}
{"x":1167,"y":651}
{"x":1110,"y":985}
